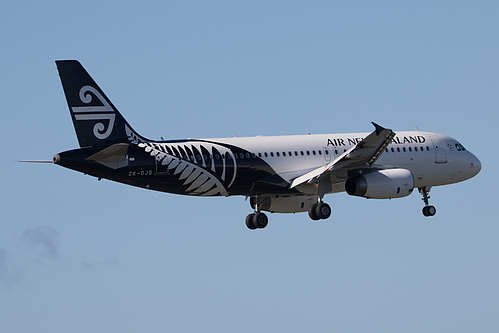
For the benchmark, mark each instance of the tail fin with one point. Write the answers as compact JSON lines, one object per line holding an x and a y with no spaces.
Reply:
{"x":96,"y":120}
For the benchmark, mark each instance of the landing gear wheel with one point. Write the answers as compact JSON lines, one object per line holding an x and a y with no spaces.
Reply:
{"x":312,"y":213}
{"x":323,"y":210}
{"x":320,"y":211}
{"x":260,"y":220}
{"x":249,"y":222}
{"x":429,"y":211}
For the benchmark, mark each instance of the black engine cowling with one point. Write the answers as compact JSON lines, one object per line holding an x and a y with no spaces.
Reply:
{"x":381,"y":184}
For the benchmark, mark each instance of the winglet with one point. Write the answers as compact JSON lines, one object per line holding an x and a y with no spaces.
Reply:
{"x":378,"y":127}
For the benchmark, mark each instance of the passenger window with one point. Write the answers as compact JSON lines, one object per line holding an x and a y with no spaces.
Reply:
{"x":296,"y":153}
{"x":266,"y":155}
{"x":320,"y":152}
{"x":313,"y":152}
{"x":403,"y":148}
{"x":259,"y":154}
{"x":398,"y":149}
{"x":427,"y":148}
{"x":283,"y":153}
{"x":302,"y":153}
{"x":271,"y":154}
{"x":277,"y":153}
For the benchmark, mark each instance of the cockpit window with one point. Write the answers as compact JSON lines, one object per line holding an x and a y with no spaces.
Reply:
{"x":460,"y":147}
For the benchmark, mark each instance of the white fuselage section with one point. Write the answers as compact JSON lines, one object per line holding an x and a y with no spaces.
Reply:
{"x":434,"y":159}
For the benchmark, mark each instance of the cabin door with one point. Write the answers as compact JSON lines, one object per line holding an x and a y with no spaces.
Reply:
{"x":440,"y":153}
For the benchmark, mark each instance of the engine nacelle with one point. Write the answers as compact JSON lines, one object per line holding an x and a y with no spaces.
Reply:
{"x":280,"y":204}
{"x":381,"y":184}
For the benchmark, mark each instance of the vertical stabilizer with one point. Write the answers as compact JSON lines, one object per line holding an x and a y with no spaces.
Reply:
{"x":96,"y":120}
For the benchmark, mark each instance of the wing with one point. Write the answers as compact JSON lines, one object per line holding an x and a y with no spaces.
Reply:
{"x":362,"y":155}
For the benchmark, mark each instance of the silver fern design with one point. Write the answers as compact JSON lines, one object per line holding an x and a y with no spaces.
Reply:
{"x":132,"y":136}
{"x":205,"y":169}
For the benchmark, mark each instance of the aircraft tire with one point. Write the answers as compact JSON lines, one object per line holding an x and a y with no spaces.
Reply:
{"x":260,"y":220}
{"x":323,"y":211}
{"x":429,"y":211}
{"x":312,"y":213}
{"x":249,"y":222}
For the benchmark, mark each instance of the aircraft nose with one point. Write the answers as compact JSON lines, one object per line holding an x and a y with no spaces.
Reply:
{"x":475,"y":165}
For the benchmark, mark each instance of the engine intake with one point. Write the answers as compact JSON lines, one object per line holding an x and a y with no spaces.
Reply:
{"x":381,"y":184}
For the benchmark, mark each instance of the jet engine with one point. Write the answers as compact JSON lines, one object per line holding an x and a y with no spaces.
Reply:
{"x":284,"y":204}
{"x":381,"y":184}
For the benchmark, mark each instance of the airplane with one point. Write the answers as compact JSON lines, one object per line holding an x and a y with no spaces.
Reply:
{"x":279,"y":174}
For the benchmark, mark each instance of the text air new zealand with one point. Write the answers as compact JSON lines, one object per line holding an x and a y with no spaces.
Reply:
{"x":280,"y":174}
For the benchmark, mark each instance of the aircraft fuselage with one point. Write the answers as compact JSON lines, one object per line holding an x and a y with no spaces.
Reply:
{"x":265,"y":165}
{"x":283,"y":174}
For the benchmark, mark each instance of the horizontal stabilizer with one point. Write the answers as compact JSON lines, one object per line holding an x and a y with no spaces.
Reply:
{"x":114,"y":157}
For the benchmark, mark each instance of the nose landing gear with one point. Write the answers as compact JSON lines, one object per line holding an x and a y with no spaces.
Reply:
{"x":428,"y":210}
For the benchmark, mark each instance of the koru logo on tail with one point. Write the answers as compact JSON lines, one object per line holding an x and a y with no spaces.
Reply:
{"x":102,"y":112}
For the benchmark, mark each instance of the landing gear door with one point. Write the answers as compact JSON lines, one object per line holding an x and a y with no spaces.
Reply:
{"x":440,"y":153}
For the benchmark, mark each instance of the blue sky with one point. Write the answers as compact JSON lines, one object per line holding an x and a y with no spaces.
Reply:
{"x":78,"y":255}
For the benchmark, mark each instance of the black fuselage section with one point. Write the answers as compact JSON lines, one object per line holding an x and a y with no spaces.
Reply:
{"x":198,"y":168}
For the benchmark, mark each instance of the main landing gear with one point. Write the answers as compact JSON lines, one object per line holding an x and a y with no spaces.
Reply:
{"x":428,"y":210}
{"x":319,"y":211}
{"x":257,"y":220}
